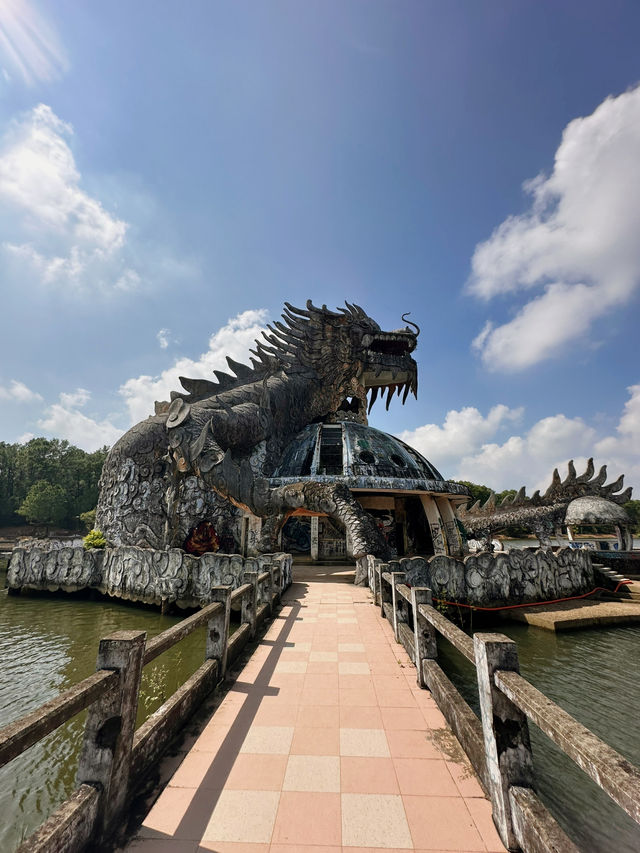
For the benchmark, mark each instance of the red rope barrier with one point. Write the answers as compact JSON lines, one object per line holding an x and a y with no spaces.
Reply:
{"x":532,"y":603}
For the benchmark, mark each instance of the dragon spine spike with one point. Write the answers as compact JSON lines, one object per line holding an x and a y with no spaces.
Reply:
{"x":601,"y":477}
{"x":571,"y":475}
{"x":242,"y":371}
{"x":521,"y":497}
{"x":224,"y":379}
{"x":588,"y":474}
{"x":613,"y":487}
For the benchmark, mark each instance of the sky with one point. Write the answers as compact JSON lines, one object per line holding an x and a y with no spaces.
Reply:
{"x":171,"y":173}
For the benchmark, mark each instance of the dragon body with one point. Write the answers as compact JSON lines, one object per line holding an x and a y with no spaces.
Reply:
{"x":216,"y":443}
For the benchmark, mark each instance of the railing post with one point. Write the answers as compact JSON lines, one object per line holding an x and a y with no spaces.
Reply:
{"x":276,"y":582}
{"x":385,"y":590}
{"x":267,"y":589}
{"x":373,"y":586}
{"x":397,"y":601}
{"x":249,"y":606}
{"x":506,"y":732}
{"x":424,"y":634}
{"x":105,"y":758}
{"x":218,"y":629}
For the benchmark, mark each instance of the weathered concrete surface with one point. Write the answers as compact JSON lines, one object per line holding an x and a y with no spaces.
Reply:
{"x":138,"y":574}
{"x":491,"y":579}
{"x":570,"y":615}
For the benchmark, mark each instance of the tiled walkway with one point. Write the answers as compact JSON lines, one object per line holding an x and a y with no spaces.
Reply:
{"x":324,"y":744}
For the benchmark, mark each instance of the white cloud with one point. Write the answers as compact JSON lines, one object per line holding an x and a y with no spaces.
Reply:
{"x":577,"y":242}
{"x":75,"y":399}
{"x":163,"y":338}
{"x":56,"y":228}
{"x":234,"y":339}
{"x":467,"y":446}
{"x":25,"y":438}
{"x":64,"y":420}
{"x":462,"y":433}
{"x":29,"y":43}
{"x":19,"y":392}
{"x":622,"y":450}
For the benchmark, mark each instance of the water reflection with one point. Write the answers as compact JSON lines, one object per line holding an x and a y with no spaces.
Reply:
{"x":46,"y":645}
{"x":591,"y":674}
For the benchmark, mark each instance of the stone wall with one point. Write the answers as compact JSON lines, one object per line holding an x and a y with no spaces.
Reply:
{"x":491,"y":579}
{"x":137,"y":574}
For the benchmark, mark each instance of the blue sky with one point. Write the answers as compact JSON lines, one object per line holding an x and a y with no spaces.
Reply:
{"x":170,"y":173}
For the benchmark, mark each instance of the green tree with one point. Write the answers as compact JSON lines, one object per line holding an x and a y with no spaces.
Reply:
{"x":478,"y":493}
{"x":633,"y":508}
{"x":44,"y":504}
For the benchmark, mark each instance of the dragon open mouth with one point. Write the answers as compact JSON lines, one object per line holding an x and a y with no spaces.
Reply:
{"x":389,"y":365}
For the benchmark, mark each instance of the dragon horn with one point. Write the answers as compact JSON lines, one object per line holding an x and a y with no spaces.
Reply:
{"x":415,"y":326}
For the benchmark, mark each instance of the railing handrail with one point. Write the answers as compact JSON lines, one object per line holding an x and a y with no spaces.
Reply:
{"x":514,"y":803}
{"x":111,"y":695}
{"x":18,"y":736}
{"x":166,"y":639}
{"x":610,"y":770}
{"x":456,"y":636}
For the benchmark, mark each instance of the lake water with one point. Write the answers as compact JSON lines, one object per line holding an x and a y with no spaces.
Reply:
{"x":48,"y":643}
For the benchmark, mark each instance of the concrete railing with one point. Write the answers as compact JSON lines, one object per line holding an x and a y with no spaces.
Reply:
{"x":498,"y":743}
{"x":114,"y":755}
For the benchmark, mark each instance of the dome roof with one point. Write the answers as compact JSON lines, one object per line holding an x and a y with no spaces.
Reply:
{"x":596,"y":510}
{"x":360,"y":456}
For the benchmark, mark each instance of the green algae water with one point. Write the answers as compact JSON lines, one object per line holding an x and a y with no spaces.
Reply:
{"x":593,"y":675}
{"x":47,"y":644}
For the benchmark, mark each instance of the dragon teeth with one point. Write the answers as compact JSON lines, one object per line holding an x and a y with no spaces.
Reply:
{"x":392,"y":388}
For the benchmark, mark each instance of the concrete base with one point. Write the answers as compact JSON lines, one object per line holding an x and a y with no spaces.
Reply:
{"x":571,"y":615}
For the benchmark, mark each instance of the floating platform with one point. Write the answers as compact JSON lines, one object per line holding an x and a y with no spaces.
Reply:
{"x":572,"y":615}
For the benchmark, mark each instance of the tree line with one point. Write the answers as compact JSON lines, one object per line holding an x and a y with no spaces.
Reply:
{"x":49,"y":482}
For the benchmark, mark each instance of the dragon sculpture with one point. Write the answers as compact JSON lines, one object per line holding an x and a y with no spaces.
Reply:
{"x":223,"y":439}
{"x":542,"y":514}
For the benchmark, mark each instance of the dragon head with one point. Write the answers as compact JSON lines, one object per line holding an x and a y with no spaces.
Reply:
{"x":349,"y":352}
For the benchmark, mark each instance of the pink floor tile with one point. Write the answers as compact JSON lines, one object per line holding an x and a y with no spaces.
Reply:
{"x":318,"y":696}
{"x":411,"y":744}
{"x":257,"y":772}
{"x":356,"y":696}
{"x":396,"y":699}
{"x":480,"y":810}
{"x":321,"y":681}
{"x":424,"y":777}
{"x":231,"y":847}
{"x":162,"y":845}
{"x":442,"y":823}
{"x":402,"y":718}
{"x":465,"y":779}
{"x":315,"y":741}
{"x":318,"y":716}
{"x":368,"y":775}
{"x":308,"y":818}
{"x":360,"y":717}
{"x":322,"y":667}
